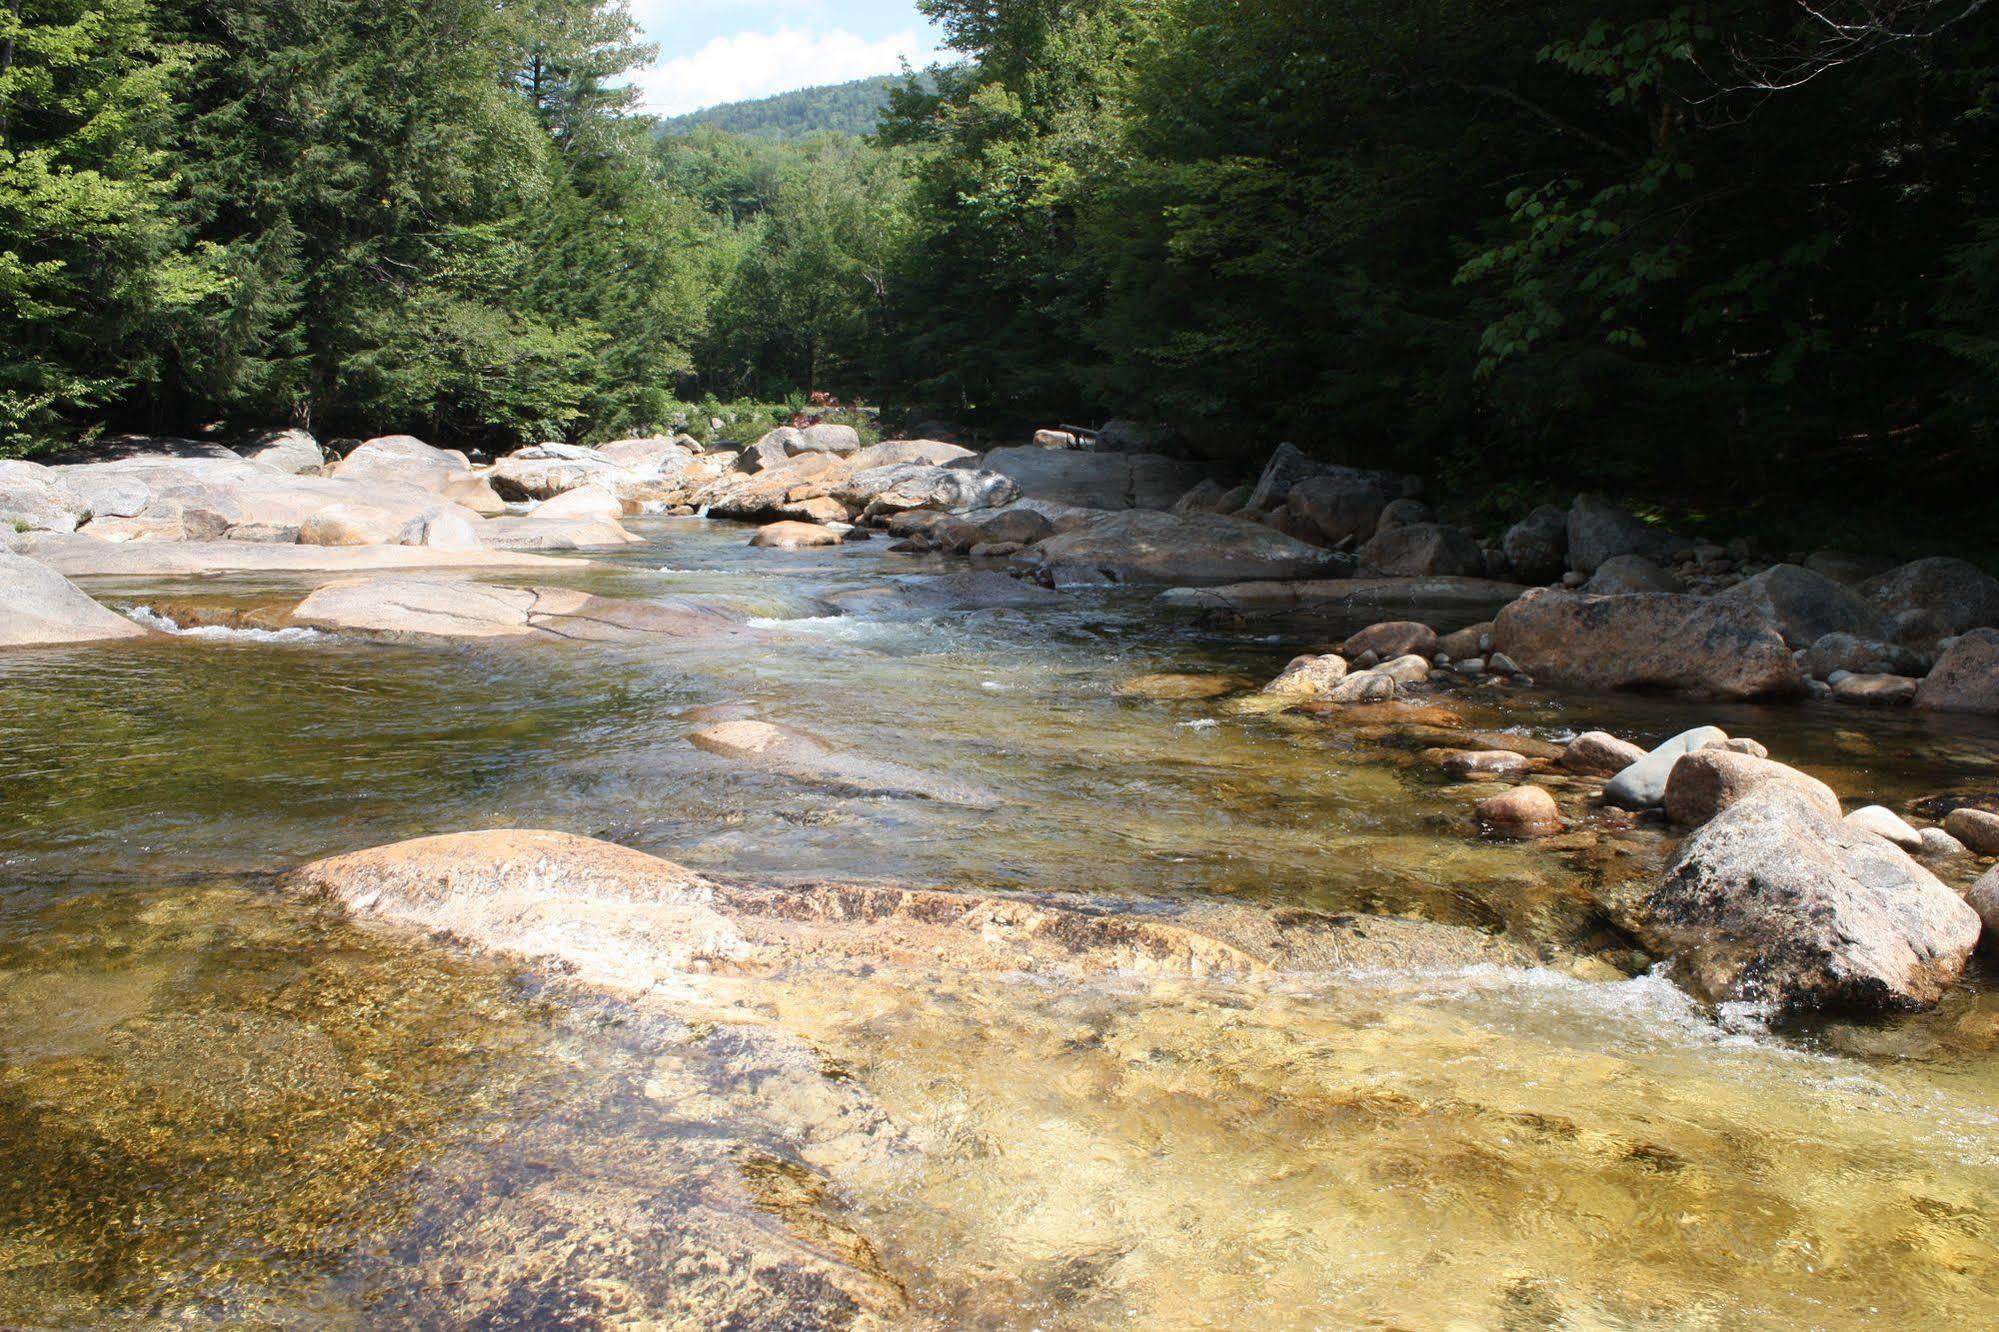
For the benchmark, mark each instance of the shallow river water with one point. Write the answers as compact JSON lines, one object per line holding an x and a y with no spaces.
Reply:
{"x":220,"y":1103}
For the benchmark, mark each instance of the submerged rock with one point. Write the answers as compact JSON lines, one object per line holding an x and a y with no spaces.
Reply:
{"x":636,"y":923}
{"x":1687,"y":645}
{"x":969,"y":589}
{"x":39,"y":606}
{"x":1181,"y":687}
{"x":1776,"y":902}
{"x":1525,"y":811}
{"x":809,"y":759}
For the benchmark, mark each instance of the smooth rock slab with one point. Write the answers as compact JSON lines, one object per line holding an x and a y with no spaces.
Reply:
{"x":399,"y":608}
{"x":1778,"y":904}
{"x":38,"y":607}
{"x":82,"y":556}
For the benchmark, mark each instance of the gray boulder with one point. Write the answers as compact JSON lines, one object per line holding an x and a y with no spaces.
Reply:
{"x":1642,"y":785}
{"x":1694,"y":646}
{"x":1965,"y":678}
{"x":880,"y":491}
{"x":1806,"y":606}
{"x":1339,"y":504}
{"x":1147,"y":546}
{"x":1861,"y":656}
{"x":1958,"y":595}
{"x":1422,"y":550}
{"x":1288,"y":466}
{"x":934,"y":452}
{"x":38,"y":606}
{"x":1621,"y":574}
{"x":1095,"y":480}
{"x":1538,"y":545}
{"x":1405,"y":513}
{"x":1599,"y":530}
{"x":1777,"y":903}
{"x":294,"y":451}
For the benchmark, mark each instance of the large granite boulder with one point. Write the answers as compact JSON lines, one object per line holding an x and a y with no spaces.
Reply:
{"x":405,"y":460}
{"x":1860,"y":656}
{"x":543,"y":471}
{"x":1422,"y":550}
{"x":1537,"y":547}
{"x":294,"y":451}
{"x":1599,"y":530}
{"x":1339,"y":504}
{"x":935,"y":452}
{"x":1806,"y":606}
{"x":1709,"y":780}
{"x":1095,"y":480}
{"x":39,"y":606}
{"x":1778,"y":903}
{"x":34,"y":498}
{"x":1958,"y":594}
{"x":1148,"y":546}
{"x":399,"y":607}
{"x":881,"y":491}
{"x":1687,"y":645}
{"x":1965,"y":678}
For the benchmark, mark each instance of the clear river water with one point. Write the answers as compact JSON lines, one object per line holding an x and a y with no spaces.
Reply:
{"x":219,"y":1103}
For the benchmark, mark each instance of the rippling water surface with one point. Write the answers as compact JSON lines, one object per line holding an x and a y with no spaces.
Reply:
{"x":221,"y":1104}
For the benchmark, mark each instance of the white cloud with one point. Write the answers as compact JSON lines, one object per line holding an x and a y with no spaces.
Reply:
{"x":757,"y":64}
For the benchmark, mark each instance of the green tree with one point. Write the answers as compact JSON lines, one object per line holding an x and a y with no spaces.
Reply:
{"x":92,"y":266}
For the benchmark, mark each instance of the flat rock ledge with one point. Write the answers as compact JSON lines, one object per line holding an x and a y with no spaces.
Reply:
{"x":1334,"y":595}
{"x":400,"y":607}
{"x":633,"y":923}
{"x":76,"y":556}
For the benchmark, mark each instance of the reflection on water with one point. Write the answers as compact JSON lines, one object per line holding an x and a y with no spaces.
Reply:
{"x":223,"y":1105}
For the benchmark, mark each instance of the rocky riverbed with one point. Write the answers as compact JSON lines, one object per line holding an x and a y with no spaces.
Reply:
{"x":454,"y":894}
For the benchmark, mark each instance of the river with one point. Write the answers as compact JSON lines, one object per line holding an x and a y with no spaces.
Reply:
{"x":223,"y":1103}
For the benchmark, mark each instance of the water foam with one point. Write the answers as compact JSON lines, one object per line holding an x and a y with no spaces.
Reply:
{"x":216,"y":633}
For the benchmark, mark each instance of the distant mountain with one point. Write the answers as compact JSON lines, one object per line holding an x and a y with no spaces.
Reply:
{"x":838,"y":108}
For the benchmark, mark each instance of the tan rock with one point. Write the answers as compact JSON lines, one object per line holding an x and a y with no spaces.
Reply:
{"x":1600,"y":754}
{"x":1525,"y":811}
{"x":1688,"y":645}
{"x":400,"y":607}
{"x":1178,"y":687}
{"x":1484,"y":764}
{"x":1706,"y":782}
{"x":794,"y":536}
{"x":39,"y":606}
{"x":1976,"y":828}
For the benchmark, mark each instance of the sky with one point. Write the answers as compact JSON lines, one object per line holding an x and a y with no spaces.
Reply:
{"x":714,"y":51}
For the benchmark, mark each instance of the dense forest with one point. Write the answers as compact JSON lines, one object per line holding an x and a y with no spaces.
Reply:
{"x":836,"y":108}
{"x":1722,"y":251}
